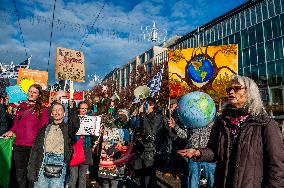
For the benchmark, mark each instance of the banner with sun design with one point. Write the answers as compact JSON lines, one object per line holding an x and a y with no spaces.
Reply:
{"x":206,"y":69}
{"x":27,"y":77}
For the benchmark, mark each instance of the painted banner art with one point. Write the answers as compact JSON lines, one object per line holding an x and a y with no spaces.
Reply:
{"x":115,"y":153}
{"x":206,"y":69}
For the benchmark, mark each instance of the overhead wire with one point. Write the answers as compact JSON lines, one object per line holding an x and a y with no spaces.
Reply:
{"x":86,"y":36}
{"x":20,"y":27}
{"x":50,"y":40}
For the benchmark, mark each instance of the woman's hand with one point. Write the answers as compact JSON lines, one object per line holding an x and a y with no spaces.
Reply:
{"x":190,"y":153}
{"x":8,"y":134}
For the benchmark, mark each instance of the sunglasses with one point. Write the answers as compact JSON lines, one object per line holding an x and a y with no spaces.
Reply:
{"x":235,"y":88}
{"x":84,"y":108}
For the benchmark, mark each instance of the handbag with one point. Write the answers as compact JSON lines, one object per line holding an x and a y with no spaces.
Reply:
{"x":78,"y":156}
{"x":52,"y":170}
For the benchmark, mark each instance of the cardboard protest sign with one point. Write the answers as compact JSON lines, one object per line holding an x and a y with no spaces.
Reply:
{"x":39,"y":77}
{"x":16,"y":94}
{"x":69,"y":65}
{"x":89,"y":125}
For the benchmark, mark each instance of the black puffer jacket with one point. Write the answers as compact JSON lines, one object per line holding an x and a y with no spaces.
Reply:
{"x":37,"y":153}
{"x":153,"y":127}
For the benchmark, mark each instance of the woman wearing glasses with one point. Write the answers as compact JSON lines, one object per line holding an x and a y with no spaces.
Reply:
{"x":245,"y":142}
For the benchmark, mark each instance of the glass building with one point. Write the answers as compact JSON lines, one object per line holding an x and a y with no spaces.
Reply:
{"x":258,"y":29}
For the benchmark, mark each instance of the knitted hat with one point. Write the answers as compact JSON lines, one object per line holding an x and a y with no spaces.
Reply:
{"x":125,"y":112}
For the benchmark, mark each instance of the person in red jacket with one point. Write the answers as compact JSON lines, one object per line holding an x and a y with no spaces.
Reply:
{"x":30,"y":117}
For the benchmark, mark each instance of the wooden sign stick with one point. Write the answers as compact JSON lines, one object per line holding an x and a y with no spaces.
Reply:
{"x":71,"y":89}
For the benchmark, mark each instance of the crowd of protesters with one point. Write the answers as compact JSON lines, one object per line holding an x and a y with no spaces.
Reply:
{"x":241,"y":148}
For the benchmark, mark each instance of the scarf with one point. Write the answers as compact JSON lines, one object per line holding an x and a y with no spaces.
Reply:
{"x":235,"y":119}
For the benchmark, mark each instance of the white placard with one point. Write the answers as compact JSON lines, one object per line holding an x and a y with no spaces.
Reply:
{"x":89,"y":125}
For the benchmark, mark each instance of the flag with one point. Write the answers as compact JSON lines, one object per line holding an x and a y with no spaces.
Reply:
{"x":155,"y":83}
{"x":6,"y":148}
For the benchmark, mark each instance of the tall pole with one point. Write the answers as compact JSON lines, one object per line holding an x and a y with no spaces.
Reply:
{"x":198,"y":44}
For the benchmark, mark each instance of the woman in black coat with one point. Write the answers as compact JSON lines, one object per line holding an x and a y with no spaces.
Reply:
{"x":148,"y":143}
{"x":245,"y":142}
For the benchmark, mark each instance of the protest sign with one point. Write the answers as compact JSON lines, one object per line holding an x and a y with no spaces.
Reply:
{"x":26,"y":84}
{"x":115,"y":152}
{"x":77,"y":96}
{"x":16,"y":94}
{"x":39,"y":77}
{"x":89,"y":125}
{"x":69,"y":65}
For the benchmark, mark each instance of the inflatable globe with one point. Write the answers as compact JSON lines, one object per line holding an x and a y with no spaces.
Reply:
{"x":201,"y":69}
{"x":196,"y":109}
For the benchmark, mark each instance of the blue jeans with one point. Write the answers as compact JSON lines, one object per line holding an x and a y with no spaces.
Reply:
{"x":56,"y":159}
{"x":193,"y":180}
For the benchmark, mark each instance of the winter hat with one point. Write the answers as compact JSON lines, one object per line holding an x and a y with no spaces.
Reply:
{"x":126,"y":112}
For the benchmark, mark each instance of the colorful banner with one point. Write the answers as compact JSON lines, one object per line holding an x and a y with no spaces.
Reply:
{"x":89,"y":125}
{"x":69,"y":65}
{"x":206,"y":69}
{"x":77,"y":96}
{"x":16,"y":94}
{"x":39,"y":77}
{"x":115,"y":152}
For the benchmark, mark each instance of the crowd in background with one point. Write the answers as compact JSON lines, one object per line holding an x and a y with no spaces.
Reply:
{"x":242,"y":147}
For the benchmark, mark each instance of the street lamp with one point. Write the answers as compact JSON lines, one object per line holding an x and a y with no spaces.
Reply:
{"x":154,"y":34}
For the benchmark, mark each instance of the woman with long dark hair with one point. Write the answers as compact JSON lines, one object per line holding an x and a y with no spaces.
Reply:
{"x":30,"y":117}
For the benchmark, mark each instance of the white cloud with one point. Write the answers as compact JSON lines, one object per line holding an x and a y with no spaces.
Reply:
{"x":105,"y":49}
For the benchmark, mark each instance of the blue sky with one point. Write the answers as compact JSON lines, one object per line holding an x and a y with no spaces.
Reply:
{"x":115,"y":39}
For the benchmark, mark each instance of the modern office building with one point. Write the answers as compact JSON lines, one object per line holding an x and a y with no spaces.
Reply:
{"x":258,"y":29}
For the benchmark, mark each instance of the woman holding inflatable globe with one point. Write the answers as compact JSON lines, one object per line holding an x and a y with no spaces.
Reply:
{"x":244,"y":141}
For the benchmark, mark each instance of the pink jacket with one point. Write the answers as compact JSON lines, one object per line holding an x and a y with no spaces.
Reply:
{"x":28,"y":126}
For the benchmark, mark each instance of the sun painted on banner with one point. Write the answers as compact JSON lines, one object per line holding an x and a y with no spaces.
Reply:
{"x":69,"y":65}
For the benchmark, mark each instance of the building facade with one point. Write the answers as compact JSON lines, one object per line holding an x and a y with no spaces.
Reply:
{"x":258,"y":29}
{"x":121,"y":77}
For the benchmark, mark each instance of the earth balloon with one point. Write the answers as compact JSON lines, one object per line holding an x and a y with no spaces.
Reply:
{"x":196,"y":109}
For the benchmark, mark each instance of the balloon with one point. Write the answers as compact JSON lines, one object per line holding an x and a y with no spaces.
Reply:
{"x":196,"y":109}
